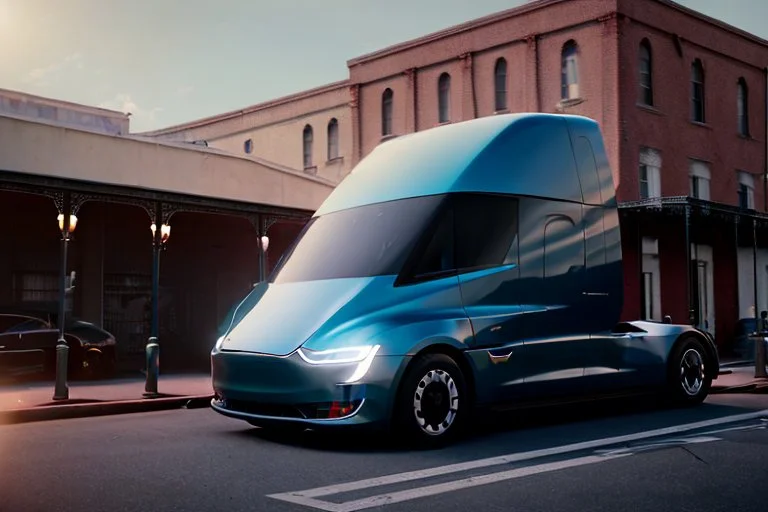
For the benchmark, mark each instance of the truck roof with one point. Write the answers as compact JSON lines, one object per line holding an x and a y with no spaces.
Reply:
{"x":524,"y":154}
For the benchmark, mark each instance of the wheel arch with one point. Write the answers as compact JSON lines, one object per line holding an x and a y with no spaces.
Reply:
{"x":713,"y":369}
{"x":447,"y":349}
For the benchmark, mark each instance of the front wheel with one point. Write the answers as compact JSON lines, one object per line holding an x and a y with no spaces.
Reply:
{"x":688,"y":382}
{"x":433,"y":402}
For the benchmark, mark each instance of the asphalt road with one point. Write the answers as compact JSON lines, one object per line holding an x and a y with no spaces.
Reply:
{"x":636,"y":458}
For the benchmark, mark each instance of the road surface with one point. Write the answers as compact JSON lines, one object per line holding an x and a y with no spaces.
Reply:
{"x":635,"y":458}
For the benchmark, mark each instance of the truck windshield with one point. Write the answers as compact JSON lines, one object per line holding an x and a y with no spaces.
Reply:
{"x":365,"y":241}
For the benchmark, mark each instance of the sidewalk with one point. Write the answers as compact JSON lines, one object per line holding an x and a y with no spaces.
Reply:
{"x":739,"y":378}
{"x":34,"y":401}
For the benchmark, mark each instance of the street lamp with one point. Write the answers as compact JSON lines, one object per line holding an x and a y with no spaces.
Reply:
{"x":159,"y":239}
{"x":264,"y":242}
{"x":67,"y":225}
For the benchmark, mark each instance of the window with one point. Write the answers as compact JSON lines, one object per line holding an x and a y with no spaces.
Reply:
{"x":248,"y":146}
{"x":570,"y":71}
{"x":500,"y":78}
{"x":386,"y":112}
{"x":699,"y":179}
{"x":307,"y":146}
{"x":742,"y":106}
{"x":470,"y":232}
{"x":646,"y":75}
{"x":650,"y":173}
{"x":333,"y":139}
{"x":746,"y":190}
{"x":697,"y":92}
{"x":365,"y":241}
{"x":444,"y":98}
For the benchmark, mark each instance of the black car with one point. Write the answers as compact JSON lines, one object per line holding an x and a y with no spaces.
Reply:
{"x":28,"y":346}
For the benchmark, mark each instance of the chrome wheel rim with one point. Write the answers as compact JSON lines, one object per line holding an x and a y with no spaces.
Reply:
{"x":435,"y":402}
{"x":692,"y":372}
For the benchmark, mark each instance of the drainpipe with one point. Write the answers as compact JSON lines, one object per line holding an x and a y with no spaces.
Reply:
{"x":765,"y":145}
{"x":688,"y":262}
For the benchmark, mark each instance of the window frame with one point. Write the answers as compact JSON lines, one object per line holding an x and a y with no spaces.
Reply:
{"x":698,"y":87}
{"x":409,"y":276}
{"x":501,"y":101}
{"x":307,"y":146}
{"x":387,"y":102}
{"x":333,"y":139}
{"x":645,"y":79}
{"x":444,"y":98}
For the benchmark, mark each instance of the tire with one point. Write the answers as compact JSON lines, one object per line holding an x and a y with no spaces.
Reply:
{"x":432,"y":403}
{"x":687,"y":381}
{"x":93,"y":365}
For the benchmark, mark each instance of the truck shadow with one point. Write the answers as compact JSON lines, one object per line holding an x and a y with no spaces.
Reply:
{"x":514,"y":430}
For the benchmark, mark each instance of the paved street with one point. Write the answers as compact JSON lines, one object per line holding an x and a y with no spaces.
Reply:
{"x":605,"y":458}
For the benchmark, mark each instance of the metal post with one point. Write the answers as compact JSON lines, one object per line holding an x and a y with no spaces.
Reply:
{"x":688,"y":263}
{"x":61,"y":390}
{"x":760,"y":328}
{"x":153,"y":347}
{"x":262,"y":273}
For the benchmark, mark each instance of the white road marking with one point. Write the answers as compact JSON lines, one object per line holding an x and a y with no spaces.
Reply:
{"x":307,"y":497}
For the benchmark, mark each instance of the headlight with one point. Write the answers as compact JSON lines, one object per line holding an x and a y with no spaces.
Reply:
{"x":338,"y":355}
{"x":363,"y":356}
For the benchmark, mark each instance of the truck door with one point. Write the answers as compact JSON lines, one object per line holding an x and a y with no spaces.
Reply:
{"x":552,"y":285}
{"x":487,"y":260}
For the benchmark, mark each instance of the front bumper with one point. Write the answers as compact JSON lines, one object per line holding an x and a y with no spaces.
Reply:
{"x":264,"y":389}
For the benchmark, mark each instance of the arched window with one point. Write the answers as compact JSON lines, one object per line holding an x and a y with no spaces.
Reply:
{"x":248,"y":146}
{"x":697,"y":92}
{"x":307,"y":146}
{"x":742,"y":105}
{"x":500,"y":83}
{"x":444,"y":98}
{"x":570,"y":71}
{"x":386,"y":112}
{"x":333,"y":139}
{"x":646,"y":73}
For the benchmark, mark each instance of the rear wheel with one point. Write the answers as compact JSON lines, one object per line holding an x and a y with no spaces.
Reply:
{"x":688,"y":382}
{"x":432,"y":404}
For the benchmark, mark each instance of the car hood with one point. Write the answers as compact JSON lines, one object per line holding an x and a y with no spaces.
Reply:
{"x":281,"y":317}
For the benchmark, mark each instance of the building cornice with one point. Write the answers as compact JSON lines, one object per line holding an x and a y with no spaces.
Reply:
{"x":342,"y":84}
{"x":456,"y":29}
{"x":8,"y":93}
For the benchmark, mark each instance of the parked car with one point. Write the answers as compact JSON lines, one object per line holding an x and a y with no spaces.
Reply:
{"x":28,"y":346}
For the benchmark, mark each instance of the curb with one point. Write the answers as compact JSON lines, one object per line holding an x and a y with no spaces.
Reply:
{"x":49,"y":412}
{"x":758,"y":388}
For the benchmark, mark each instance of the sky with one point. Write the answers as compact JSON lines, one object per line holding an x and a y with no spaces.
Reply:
{"x":171,"y":61}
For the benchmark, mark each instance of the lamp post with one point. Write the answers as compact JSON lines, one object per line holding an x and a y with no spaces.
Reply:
{"x":159,"y":239}
{"x":67,"y":225}
{"x":264,"y":242}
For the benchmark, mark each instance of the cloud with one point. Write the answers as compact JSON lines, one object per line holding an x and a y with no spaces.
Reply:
{"x":123,"y":102}
{"x":45,"y":76}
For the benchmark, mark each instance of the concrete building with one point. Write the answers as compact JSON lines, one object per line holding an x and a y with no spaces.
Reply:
{"x":309,"y":131}
{"x":59,"y":159}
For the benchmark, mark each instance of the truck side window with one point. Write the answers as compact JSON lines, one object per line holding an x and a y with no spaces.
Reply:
{"x":486,"y":230}
{"x":437,"y":257}
{"x":585,"y":161}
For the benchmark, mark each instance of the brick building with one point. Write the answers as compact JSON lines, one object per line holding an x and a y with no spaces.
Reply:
{"x":681,"y":99}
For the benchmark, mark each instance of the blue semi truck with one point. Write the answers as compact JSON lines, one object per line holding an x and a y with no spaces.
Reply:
{"x":476,"y":264}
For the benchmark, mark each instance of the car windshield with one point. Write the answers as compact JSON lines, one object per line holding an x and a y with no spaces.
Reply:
{"x":365,"y":241}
